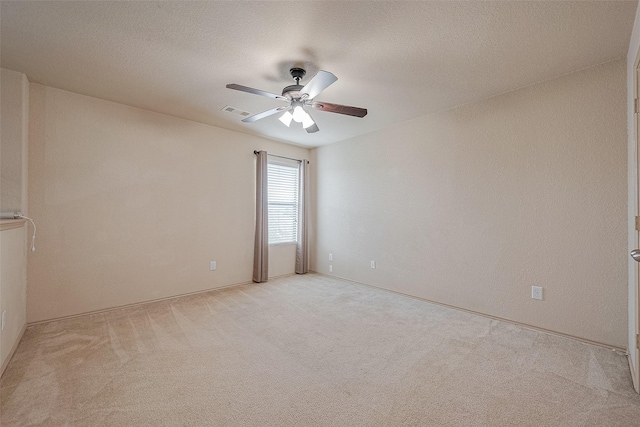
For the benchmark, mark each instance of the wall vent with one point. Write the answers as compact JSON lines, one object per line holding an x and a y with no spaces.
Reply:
{"x":237,"y":111}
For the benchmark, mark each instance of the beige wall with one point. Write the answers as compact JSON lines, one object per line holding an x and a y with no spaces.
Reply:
{"x":14,"y":98}
{"x":472,"y":206}
{"x":132,"y":205}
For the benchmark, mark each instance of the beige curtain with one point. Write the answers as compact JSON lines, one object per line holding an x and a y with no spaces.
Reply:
{"x":261,"y":246}
{"x":302,"y":248}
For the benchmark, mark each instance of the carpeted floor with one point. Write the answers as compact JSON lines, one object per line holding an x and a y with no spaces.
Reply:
{"x":308,"y":351}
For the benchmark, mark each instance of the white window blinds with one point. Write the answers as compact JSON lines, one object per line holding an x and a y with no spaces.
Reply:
{"x":283,"y":202}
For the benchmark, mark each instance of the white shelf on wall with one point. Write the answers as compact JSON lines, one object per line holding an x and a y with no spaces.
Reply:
{"x":8,"y":224}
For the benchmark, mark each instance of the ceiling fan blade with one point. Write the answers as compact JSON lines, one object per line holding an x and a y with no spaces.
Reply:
{"x":264,"y":114}
{"x":319,"y":82}
{"x":255,"y":91}
{"x":340,"y":109}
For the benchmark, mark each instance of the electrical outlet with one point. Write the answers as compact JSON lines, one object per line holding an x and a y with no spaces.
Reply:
{"x":373,"y":264}
{"x":4,"y":319}
{"x":536,"y":292}
{"x":330,"y":268}
{"x":330,"y":257}
{"x":212,"y":266}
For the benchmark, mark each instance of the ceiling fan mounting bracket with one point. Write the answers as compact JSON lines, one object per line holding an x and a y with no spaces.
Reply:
{"x":297,"y":74}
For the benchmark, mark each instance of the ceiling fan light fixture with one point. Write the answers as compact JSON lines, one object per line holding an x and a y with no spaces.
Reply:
{"x":299,"y":114}
{"x":307,"y":121}
{"x":286,"y":118}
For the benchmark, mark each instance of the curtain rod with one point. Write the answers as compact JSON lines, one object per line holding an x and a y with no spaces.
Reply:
{"x":282,"y":157}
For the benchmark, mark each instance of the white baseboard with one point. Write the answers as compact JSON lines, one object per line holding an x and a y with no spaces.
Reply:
{"x":135,"y":304}
{"x":619,"y":350}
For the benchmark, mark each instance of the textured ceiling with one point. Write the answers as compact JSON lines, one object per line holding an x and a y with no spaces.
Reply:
{"x":398,"y":59}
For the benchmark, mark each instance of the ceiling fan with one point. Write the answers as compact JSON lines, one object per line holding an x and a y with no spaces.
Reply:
{"x":298,"y":97}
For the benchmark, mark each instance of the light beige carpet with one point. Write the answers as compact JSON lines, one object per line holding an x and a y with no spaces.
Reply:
{"x":308,"y":351}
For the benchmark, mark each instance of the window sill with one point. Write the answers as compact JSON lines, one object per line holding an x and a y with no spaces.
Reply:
{"x":283,"y":244}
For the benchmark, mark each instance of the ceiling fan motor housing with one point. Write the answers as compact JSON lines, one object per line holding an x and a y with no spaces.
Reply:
{"x":293,"y":91}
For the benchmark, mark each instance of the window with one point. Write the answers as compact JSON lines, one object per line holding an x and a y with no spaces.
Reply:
{"x":283,"y":202}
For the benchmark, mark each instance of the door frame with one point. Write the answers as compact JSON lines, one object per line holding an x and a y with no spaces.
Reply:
{"x":634,"y":241}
